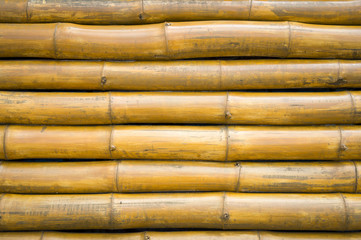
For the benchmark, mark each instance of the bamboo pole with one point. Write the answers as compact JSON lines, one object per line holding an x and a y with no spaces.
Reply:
{"x":180,"y":107}
{"x":179,"y":75}
{"x":182,"y":210}
{"x":150,"y":11}
{"x":180,"y":40}
{"x":165,"y":176}
{"x":216,"y":143}
{"x":185,"y":235}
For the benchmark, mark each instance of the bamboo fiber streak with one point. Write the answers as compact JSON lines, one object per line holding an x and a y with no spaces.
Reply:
{"x":180,"y":107}
{"x":204,"y":235}
{"x":151,"y":11}
{"x":218,"y":143}
{"x":179,"y":75}
{"x":180,"y":40}
{"x":162,"y":176}
{"x":182,"y":210}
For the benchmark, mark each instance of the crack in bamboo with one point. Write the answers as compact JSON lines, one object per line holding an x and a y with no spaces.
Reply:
{"x":116,"y":177}
{"x":238,"y":183}
{"x":289,"y":39}
{"x":55,"y":40}
{"x":356,"y":176}
{"x":5,"y":142}
{"x":42,"y":235}
{"x":250,"y":9}
{"x":353,"y":107}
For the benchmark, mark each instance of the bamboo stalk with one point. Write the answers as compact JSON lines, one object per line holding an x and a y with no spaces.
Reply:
{"x":150,"y":11}
{"x":180,"y":40}
{"x":216,"y":143}
{"x":185,"y":235}
{"x":179,"y":75}
{"x":182,"y":210}
{"x":180,"y":107}
{"x":163,"y":176}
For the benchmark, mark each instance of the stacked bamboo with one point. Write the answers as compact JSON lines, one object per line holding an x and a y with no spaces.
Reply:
{"x":163,"y":138}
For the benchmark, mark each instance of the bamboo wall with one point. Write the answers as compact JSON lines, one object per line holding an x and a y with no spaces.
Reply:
{"x":169,"y":119}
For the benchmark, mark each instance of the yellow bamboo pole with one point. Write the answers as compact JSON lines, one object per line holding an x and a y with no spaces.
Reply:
{"x":180,"y":40}
{"x":150,"y":11}
{"x":185,"y":235}
{"x":179,"y":75}
{"x":166,"y":176}
{"x":180,"y":107}
{"x":266,"y":211}
{"x":216,"y":143}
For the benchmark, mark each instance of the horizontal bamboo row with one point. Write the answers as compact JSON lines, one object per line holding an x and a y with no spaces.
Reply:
{"x":185,"y":235}
{"x":284,"y":108}
{"x":151,"y":11}
{"x":164,"y":176}
{"x":180,"y":40}
{"x":277,"y":211}
{"x":179,"y":75}
{"x":218,"y":143}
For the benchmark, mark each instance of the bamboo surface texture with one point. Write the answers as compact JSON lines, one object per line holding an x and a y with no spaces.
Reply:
{"x":150,"y":11}
{"x":277,"y":211}
{"x":180,"y":107}
{"x":163,"y":176}
{"x":217,"y":143}
{"x":180,"y":40}
{"x":185,"y":235}
{"x":179,"y":75}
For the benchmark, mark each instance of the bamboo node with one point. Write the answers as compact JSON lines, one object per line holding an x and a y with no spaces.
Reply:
{"x":112,"y":148}
{"x":168,"y":24}
{"x":228,"y":115}
{"x":103,"y":80}
{"x":147,"y":237}
{"x":237,"y":164}
{"x":226,"y":216}
{"x":140,"y":16}
{"x":343,"y":147}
